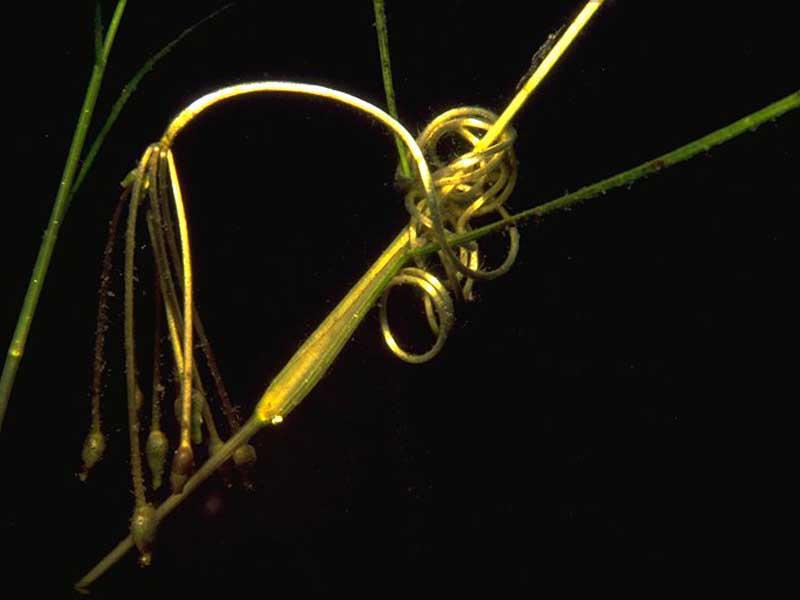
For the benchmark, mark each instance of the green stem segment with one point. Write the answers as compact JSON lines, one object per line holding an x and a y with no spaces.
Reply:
{"x":749,"y":123}
{"x":386,"y":70}
{"x":17,"y":347}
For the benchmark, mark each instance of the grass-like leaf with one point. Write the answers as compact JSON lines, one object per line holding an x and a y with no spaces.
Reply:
{"x":69,"y":183}
{"x":127,"y":92}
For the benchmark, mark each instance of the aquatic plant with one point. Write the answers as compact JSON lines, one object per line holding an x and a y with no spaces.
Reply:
{"x":653,"y":165}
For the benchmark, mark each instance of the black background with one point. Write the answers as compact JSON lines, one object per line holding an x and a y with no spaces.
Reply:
{"x":607,"y":416}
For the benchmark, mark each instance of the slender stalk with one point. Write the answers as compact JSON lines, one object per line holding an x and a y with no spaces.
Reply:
{"x":164,"y":223}
{"x":157,"y":392}
{"x":63,"y":196}
{"x":229,"y":411}
{"x":166,"y":283}
{"x":168,"y":299}
{"x":132,"y":384}
{"x":157,"y":443}
{"x":185,"y":446}
{"x":94,"y":445}
{"x":104,"y":292}
{"x":549,"y":61}
{"x":388,"y":86}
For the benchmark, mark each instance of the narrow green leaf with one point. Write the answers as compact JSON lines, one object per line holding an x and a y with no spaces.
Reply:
{"x":724,"y":134}
{"x":63,"y":197}
{"x":126,"y":93}
{"x":98,"y":34}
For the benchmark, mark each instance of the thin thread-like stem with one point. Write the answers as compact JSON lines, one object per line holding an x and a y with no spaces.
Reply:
{"x":157,"y":393}
{"x":168,"y":296}
{"x":166,"y":283}
{"x":166,"y":225}
{"x":186,"y":372}
{"x":231,"y":415}
{"x":98,"y":33}
{"x":104,"y":292}
{"x":61,"y":204}
{"x":132,"y":386}
{"x":168,"y":291}
{"x":538,"y":75}
{"x":388,"y":85}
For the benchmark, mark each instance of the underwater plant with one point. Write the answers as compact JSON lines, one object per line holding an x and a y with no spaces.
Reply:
{"x":284,"y":211}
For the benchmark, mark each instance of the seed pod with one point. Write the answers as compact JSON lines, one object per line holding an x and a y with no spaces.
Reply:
{"x":157,"y":446}
{"x":198,"y":401}
{"x":182,"y":465}
{"x":93,"y":448}
{"x":143,"y":531}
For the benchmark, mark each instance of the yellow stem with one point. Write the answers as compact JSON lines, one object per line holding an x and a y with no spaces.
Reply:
{"x":539,"y":74}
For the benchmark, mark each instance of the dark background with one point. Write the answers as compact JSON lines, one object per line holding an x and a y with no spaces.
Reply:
{"x":607,"y":416}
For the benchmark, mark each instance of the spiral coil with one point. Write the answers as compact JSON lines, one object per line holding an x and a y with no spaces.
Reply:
{"x":469,"y":182}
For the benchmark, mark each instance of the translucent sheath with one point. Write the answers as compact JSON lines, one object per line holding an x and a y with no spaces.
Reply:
{"x":312,"y":360}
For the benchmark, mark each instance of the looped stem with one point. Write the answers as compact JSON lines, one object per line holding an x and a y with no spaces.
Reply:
{"x":470,"y":180}
{"x":439,"y":311}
